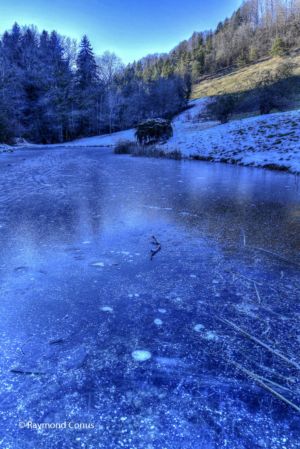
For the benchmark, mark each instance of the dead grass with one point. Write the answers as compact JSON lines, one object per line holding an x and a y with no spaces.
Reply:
{"x":241,"y":80}
{"x":127,"y":147}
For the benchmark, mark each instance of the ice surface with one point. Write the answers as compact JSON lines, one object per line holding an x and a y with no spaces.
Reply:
{"x":69,"y":328}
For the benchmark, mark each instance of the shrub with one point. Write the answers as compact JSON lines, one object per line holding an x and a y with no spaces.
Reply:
{"x":6,"y":133}
{"x":124,"y":147}
{"x":278,"y":47}
{"x":153,"y":131}
{"x":223,"y":107}
{"x":253,"y":54}
{"x":128,"y":147}
{"x":157,"y":153}
{"x":285,"y":70}
{"x":271,"y":94}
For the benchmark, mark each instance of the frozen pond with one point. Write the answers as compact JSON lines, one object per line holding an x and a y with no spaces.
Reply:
{"x":144,"y":354}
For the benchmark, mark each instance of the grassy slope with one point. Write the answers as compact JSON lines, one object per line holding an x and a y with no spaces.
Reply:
{"x":241,"y":79}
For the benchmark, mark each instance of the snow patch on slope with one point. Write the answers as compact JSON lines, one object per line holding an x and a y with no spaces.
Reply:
{"x":262,"y":141}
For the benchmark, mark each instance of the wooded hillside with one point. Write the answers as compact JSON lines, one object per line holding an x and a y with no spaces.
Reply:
{"x":53,"y":90}
{"x":259,"y":28}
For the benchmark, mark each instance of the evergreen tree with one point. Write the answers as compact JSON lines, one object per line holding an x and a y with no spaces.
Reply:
{"x":278,"y":47}
{"x":11,"y":83}
{"x":86,"y":65}
{"x":198,"y":62}
{"x":86,"y":90}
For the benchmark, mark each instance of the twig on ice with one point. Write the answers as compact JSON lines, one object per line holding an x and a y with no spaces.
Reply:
{"x":26,"y":371}
{"x":257,"y":293}
{"x":247,"y":278}
{"x":259,"y":342}
{"x":244,"y":237}
{"x":157,"y":245}
{"x":278,"y":256}
{"x":263,"y":384}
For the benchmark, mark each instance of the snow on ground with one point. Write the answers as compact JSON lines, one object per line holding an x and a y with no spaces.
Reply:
{"x":194,"y":118}
{"x":271,"y":141}
{"x":188,"y":121}
{"x":4,"y":147}
{"x":106,"y":140}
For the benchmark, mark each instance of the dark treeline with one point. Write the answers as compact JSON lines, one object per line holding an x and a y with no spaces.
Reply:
{"x":51,"y":91}
{"x":259,"y":28}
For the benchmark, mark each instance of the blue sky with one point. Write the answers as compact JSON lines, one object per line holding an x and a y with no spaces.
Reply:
{"x":130,"y":28}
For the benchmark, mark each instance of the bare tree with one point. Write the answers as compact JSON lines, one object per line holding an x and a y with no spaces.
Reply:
{"x":109,"y":65}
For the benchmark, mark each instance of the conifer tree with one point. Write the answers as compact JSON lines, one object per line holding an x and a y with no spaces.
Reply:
{"x":86,"y":65}
{"x":278,"y":47}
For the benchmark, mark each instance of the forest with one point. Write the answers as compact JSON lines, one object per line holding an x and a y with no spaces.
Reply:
{"x":258,"y":29}
{"x":54,"y":90}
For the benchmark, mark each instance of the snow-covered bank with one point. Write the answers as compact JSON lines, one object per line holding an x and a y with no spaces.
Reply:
{"x":106,"y":140}
{"x":5,"y":148}
{"x":270,"y":141}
